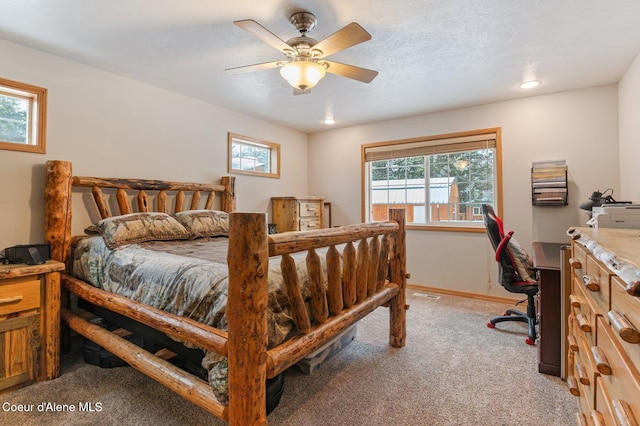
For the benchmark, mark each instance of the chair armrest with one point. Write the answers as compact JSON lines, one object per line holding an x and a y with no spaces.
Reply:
{"x":503,"y":245}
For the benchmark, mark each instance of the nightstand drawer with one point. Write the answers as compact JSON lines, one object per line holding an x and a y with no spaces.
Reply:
{"x":19,"y":294}
{"x":310,"y":209}
{"x":310,"y":223}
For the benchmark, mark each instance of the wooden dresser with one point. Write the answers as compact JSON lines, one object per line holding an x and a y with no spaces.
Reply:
{"x":29,"y":323}
{"x":297,"y":213}
{"x":603,"y":355}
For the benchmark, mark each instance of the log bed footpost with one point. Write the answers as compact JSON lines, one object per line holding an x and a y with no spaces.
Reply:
{"x":397,"y":305}
{"x":248,"y":260}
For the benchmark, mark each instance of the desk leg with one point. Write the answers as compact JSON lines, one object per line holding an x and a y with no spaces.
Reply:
{"x":550,"y":321}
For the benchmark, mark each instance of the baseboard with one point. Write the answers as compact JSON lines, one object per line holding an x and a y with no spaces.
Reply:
{"x":500,"y":299}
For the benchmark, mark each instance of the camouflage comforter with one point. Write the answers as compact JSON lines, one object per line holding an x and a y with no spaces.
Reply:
{"x":186,"y":278}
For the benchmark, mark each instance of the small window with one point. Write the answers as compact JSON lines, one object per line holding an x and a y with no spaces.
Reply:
{"x":253,"y":156}
{"x":441,"y":181}
{"x":22,"y":116}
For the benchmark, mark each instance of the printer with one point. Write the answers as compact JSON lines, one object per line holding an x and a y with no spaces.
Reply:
{"x":615,"y":216}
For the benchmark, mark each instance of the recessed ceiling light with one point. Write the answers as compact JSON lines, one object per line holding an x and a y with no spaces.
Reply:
{"x":530,"y":84}
{"x":329,"y":121}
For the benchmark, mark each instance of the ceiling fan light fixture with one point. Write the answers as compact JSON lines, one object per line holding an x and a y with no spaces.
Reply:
{"x":302,"y":75}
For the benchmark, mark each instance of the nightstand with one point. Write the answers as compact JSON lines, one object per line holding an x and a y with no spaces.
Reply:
{"x":29,"y":323}
{"x":298,"y":213}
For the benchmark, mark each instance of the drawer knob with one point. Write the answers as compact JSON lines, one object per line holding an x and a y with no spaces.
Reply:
{"x":10,"y":300}
{"x":623,"y":327}
{"x":574,"y":301}
{"x":591,"y":283}
{"x":597,"y":418}
{"x":623,"y":414}
{"x":575,"y":263}
{"x":581,"y":420}
{"x":602,"y":363}
{"x":582,"y":374}
{"x":583,"y":322}
{"x":572,"y":384}
{"x":573,"y":343}
{"x":633,"y":288}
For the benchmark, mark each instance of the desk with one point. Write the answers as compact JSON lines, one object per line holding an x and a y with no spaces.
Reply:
{"x":547,"y":260}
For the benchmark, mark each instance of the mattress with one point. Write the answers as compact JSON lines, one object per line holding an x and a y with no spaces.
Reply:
{"x":187,"y":278}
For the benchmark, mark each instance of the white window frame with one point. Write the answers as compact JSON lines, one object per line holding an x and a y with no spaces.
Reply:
{"x":437,"y":144}
{"x":272,"y":168}
{"x":36,"y":98}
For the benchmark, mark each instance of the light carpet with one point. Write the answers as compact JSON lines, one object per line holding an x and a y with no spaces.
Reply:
{"x":454,"y":370}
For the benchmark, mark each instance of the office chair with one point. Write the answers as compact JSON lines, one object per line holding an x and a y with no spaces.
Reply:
{"x":515,"y":272}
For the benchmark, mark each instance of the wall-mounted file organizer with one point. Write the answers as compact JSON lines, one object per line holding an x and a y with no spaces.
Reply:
{"x":549,"y":183}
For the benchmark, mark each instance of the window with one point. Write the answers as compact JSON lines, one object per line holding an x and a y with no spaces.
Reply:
{"x":22,"y":116}
{"x":441,"y":181}
{"x":253,"y":156}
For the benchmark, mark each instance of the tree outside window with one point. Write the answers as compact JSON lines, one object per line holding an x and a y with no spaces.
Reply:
{"x":22,"y":116}
{"x":444,"y":187}
{"x":253,"y":156}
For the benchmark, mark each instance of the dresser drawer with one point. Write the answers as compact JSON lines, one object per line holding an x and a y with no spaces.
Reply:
{"x":627,"y":308}
{"x":19,"y":294}
{"x":596,"y":281}
{"x":623,"y":384}
{"x":584,"y":311}
{"x":585,"y":403}
{"x":585,"y":371}
{"x":580,"y":253}
{"x":309,"y":208}
{"x":603,"y":404}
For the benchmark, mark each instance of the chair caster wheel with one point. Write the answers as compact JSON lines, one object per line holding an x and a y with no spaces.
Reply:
{"x":490,"y":325}
{"x":530,"y":341}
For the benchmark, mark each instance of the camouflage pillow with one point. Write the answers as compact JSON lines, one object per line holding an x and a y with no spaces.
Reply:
{"x":137,"y":228}
{"x":204,"y":223}
{"x":523,"y":262}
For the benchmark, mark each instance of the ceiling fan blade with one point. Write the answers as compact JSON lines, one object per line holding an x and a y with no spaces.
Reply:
{"x":263,"y":34}
{"x":254,"y":67}
{"x":348,"y":36}
{"x":361,"y":74}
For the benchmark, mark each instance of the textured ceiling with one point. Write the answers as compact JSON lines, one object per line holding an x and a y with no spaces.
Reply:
{"x":431,"y":55}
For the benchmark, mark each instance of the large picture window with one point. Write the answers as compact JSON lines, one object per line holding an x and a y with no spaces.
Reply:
{"x":22,"y":116}
{"x":441,"y":180}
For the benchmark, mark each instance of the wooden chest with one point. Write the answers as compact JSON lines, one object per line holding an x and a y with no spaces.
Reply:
{"x":604,"y":326}
{"x":297,"y":213}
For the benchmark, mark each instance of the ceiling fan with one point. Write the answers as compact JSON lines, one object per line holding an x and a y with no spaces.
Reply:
{"x":305,"y":62}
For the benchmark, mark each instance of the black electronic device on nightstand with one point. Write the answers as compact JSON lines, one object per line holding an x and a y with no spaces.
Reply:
{"x":31,"y":254}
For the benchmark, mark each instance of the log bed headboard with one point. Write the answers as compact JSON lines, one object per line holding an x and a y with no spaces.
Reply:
{"x":60,"y":182}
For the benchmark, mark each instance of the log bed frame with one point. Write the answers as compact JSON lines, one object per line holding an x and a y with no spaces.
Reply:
{"x":374,"y":275}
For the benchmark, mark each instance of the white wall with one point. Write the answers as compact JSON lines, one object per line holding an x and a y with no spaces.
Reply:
{"x":629,"y":110}
{"x":112,"y":126}
{"x":579,"y":126}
